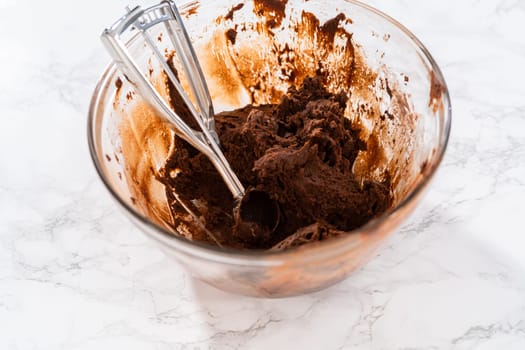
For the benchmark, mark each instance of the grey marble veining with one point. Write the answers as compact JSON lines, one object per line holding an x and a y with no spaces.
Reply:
{"x":75,"y":274}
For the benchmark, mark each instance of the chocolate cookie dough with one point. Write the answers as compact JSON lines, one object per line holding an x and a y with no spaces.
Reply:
{"x":299,"y":152}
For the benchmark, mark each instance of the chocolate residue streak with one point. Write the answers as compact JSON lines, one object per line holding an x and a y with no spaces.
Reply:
{"x":388,"y":89}
{"x":231,"y":34}
{"x":324,"y":37}
{"x":272,"y":10}
{"x":389,"y":115}
{"x":222,"y":70}
{"x":229,"y":15}
{"x":192,"y":10}
{"x":436,"y":93}
{"x":176,"y":101}
{"x":145,"y":144}
{"x":118,"y":84}
{"x":330,"y":28}
{"x":424,"y":167}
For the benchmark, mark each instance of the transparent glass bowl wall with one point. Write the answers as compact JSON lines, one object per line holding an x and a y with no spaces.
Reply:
{"x":389,"y":49}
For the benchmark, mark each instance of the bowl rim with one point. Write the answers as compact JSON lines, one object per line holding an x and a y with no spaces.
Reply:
{"x":268,"y":258}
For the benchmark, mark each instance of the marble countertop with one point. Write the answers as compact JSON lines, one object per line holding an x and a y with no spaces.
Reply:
{"x":76,"y":274}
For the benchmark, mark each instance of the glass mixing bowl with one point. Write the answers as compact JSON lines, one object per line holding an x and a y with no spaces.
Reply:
{"x":397,"y":96}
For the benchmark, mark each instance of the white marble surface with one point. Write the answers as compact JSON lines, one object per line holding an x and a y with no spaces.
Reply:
{"x":75,"y":274}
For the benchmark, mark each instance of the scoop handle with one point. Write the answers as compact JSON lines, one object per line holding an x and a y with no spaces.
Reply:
{"x":205,"y":140}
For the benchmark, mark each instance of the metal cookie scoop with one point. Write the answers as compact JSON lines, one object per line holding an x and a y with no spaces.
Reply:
{"x":253,"y":206}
